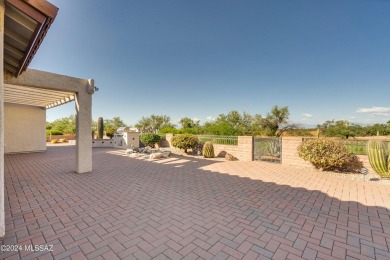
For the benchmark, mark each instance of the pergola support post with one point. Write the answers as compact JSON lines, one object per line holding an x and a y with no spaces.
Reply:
{"x":83,"y":130}
{"x":2,"y":187}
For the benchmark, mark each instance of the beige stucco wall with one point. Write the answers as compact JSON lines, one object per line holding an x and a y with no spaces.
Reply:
{"x":2,"y":212}
{"x":25,"y":129}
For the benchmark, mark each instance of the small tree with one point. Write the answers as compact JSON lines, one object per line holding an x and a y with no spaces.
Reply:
{"x":184,"y":141}
{"x":150,"y":139}
{"x":275,"y":120}
{"x":110,"y":132}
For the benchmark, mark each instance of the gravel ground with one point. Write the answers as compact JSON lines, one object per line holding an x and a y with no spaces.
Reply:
{"x":374,"y":178}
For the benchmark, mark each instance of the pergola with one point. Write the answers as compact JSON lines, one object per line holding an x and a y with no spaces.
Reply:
{"x":36,"y":97}
{"x":47,"y":90}
{"x":23,"y":26}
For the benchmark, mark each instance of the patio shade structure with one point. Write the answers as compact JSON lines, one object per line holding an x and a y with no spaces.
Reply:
{"x":23,"y":26}
{"x":36,"y":97}
{"x":47,"y":90}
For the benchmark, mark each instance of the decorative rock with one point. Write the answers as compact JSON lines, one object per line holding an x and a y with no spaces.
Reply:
{"x":166,"y":153}
{"x":222,"y":154}
{"x":230,"y":157}
{"x":156,"y":156}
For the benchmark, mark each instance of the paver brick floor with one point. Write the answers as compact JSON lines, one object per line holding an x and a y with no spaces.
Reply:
{"x":181,"y":208}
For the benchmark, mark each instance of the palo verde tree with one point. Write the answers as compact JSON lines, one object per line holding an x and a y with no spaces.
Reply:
{"x":153,"y":123}
{"x":233,"y":123}
{"x":276,"y":120}
{"x":65,"y":125}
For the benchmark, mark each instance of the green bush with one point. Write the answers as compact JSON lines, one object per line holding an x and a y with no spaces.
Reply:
{"x":150,"y":139}
{"x":53,"y":132}
{"x":326,"y":154}
{"x":184,"y":141}
{"x":169,"y":130}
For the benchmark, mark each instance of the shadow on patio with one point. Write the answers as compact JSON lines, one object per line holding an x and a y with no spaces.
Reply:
{"x":129,"y":208}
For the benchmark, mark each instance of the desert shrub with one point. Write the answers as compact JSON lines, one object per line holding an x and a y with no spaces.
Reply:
{"x":54,"y":141}
{"x":326,"y":154}
{"x":63,"y":140}
{"x":53,"y":132}
{"x":150,"y":139}
{"x":184,"y":141}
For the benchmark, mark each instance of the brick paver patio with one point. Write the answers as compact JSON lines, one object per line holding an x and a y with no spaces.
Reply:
{"x":130,"y":208}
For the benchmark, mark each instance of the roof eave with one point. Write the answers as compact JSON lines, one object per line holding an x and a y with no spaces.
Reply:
{"x":35,"y":9}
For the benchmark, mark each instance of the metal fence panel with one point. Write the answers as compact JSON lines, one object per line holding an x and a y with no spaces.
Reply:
{"x":355,"y":146}
{"x":219,"y":139}
{"x":267,"y":149}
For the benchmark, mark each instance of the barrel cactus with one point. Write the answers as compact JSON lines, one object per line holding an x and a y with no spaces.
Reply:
{"x":100,"y":128}
{"x":208,"y":150}
{"x":378,"y":155}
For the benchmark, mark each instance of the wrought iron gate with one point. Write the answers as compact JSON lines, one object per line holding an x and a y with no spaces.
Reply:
{"x":267,"y":149}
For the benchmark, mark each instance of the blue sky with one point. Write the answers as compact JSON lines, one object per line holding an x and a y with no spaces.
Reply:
{"x":324,"y":59}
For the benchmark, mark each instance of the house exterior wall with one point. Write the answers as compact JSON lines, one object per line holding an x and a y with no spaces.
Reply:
{"x":25,"y":129}
{"x":2,"y":212}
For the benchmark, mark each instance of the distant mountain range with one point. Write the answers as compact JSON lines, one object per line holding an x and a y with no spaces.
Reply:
{"x":307,"y":126}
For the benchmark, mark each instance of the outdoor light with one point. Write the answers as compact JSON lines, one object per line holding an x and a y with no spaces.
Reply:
{"x":96,"y":89}
{"x":364,"y":171}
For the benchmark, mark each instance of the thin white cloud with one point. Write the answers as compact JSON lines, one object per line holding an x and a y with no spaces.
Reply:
{"x":210,"y":118}
{"x":306,"y":116}
{"x":380,"y":114}
{"x":374,"y":110}
{"x":195,"y":119}
{"x":352,"y":117}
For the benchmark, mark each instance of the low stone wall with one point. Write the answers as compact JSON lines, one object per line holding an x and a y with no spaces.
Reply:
{"x":68,"y":137}
{"x":243,"y":151}
{"x":99,"y":143}
{"x":164,"y":143}
{"x":290,"y":152}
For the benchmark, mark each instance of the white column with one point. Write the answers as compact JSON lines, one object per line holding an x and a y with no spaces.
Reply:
{"x":2,"y":186}
{"x":83,"y":129}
